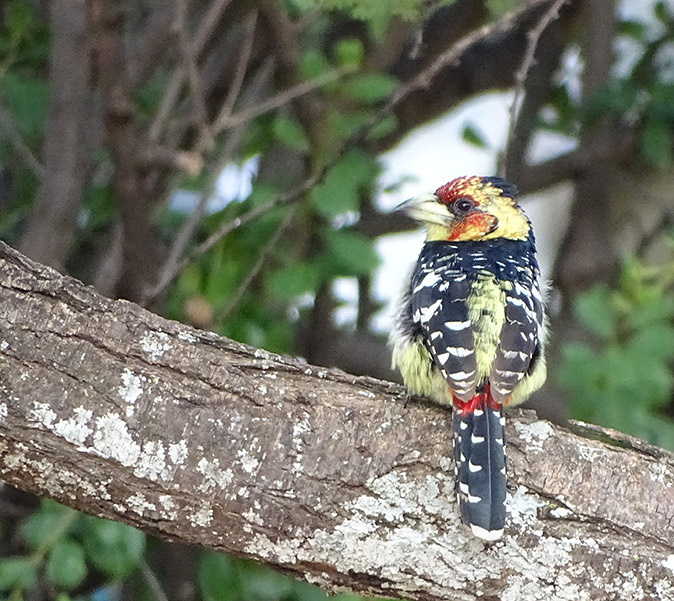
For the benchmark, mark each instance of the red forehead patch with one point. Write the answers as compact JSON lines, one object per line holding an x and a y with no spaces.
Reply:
{"x":461,"y":187}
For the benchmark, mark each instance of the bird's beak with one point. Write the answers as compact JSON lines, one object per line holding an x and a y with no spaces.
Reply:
{"x":426,"y":208}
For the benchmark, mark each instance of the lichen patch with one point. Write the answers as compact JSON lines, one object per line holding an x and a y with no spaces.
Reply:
{"x":130,"y":390}
{"x":535,"y":433}
{"x":152,"y":461}
{"x":178,"y":452}
{"x":75,"y":429}
{"x":214,"y":475}
{"x":113,"y":440}
{"x":201,"y":516}
{"x":155,"y":344}
{"x":42,"y":414}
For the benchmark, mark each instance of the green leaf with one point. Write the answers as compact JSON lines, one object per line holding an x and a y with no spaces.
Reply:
{"x":656,"y":144}
{"x":654,"y":343}
{"x":370,"y":88}
{"x":349,"y":53}
{"x":26,"y":98}
{"x":17,"y":572}
{"x":293,"y":280}
{"x":350,"y":253}
{"x":46,"y":523}
{"x":473,"y":136}
{"x":313,"y":63}
{"x":338,"y":193}
{"x":498,"y":8}
{"x":303,"y":591}
{"x":383,"y":128}
{"x":662,"y":13}
{"x":66,"y":567}
{"x":289,"y":132}
{"x":595,"y":310}
{"x":633,"y":29}
{"x":19,"y":21}
{"x":261,"y":584}
{"x":115,"y":549}
{"x":578,"y":367}
{"x":216,"y":578}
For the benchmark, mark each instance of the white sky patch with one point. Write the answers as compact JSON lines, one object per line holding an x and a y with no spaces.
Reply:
{"x":345,"y":291}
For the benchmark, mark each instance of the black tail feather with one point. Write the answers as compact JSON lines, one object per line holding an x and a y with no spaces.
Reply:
{"x":479,"y":451}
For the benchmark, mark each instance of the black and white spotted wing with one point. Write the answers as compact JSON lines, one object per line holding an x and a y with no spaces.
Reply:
{"x":439,"y":293}
{"x":520,"y":336}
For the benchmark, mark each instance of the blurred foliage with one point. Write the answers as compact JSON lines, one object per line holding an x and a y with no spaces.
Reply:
{"x":79,"y":557}
{"x":59,"y":549}
{"x":644,"y":94}
{"x":621,"y":377}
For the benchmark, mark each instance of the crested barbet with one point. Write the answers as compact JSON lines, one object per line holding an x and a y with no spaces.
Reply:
{"x":470,"y":329}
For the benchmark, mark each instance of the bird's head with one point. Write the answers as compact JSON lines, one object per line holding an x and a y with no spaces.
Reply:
{"x":470,"y":208}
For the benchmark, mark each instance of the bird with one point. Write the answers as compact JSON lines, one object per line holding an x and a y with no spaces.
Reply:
{"x":470,"y":327}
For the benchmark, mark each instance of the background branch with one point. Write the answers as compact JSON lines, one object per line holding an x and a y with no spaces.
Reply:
{"x":528,"y":60}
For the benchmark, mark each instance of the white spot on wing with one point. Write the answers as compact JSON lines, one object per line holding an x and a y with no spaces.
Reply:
{"x":459,"y":351}
{"x":427,"y":312}
{"x":456,"y":326}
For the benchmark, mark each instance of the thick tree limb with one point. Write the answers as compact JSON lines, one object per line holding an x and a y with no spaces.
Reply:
{"x":337,"y":479}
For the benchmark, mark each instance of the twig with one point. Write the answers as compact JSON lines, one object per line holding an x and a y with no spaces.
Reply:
{"x":152,"y":581}
{"x":173,"y":89}
{"x":261,"y":260}
{"x":190,"y":68}
{"x":173,"y":265}
{"x":522,"y":73}
{"x":240,"y":72}
{"x":277,"y":100}
{"x":21,"y":148}
{"x":422,"y":80}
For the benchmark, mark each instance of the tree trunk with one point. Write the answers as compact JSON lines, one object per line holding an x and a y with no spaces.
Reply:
{"x":51,"y":227}
{"x":337,"y":479}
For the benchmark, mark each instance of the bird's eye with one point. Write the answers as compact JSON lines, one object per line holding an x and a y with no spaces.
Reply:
{"x":463,"y":205}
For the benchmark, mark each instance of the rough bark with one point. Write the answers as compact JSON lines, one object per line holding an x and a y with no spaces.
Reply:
{"x":338,"y":479}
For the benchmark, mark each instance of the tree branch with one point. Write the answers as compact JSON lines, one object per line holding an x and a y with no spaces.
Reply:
{"x":335,"y":478}
{"x":533,"y":37}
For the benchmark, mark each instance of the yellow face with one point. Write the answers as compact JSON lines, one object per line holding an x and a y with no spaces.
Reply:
{"x":470,"y":208}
